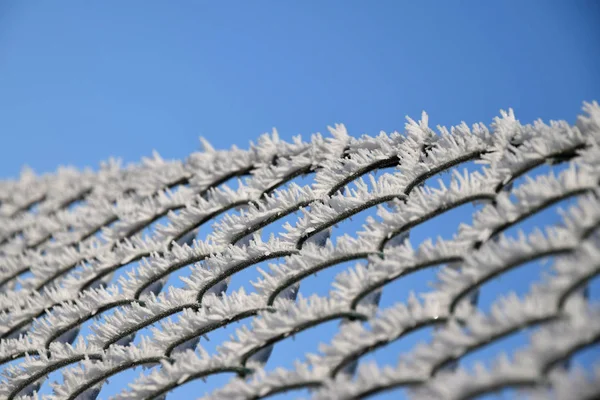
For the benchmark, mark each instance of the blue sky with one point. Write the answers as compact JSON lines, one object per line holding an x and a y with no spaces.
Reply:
{"x":84,"y":81}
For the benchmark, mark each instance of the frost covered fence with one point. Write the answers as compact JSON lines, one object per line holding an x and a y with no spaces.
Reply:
{"x":63,"y":236}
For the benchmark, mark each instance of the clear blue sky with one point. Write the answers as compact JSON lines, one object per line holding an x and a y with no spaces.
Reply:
{"x":83,"y":81}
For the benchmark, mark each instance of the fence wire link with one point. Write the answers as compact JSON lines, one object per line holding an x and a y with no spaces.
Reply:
{"x":63,"y":237}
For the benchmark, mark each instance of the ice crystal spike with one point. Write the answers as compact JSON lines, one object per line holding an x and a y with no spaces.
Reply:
{"x":63,"y":237}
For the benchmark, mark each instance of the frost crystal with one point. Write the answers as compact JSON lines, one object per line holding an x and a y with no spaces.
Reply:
{"x":64,"y":236}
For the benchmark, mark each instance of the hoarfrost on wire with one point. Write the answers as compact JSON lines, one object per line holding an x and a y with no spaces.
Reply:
{"x":63,"y":236}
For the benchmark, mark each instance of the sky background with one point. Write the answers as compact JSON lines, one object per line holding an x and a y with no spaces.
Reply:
{"x":84,"y":81}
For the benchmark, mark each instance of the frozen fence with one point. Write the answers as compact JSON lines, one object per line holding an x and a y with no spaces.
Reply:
{"x":64,"y":235}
